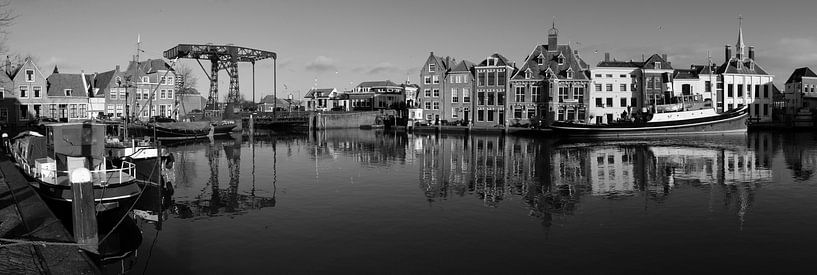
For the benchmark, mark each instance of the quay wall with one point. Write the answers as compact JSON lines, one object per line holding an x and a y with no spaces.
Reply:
{"x":319,"y":121}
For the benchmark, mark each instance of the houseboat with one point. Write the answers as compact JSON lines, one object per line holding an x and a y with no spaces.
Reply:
{"x":48,"y":158}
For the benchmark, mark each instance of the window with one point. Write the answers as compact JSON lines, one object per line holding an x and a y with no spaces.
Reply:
{"x":427,"y":92}
{"x":480,"y":115}
{"x":649,"y":83}
{"x":622,"y":87}
{"x":500,"y":98}
{"x":4,"y":114}
{"x":708,"y":86}
{"x":657,"y":65}
{"x":561,"y":59}
{"x":83,"y":110}
{"x":480,"y":78}
{"x":455,"y":112}
{"x":436,"y":92}
{"x":578,"y":94}
{"x":491,"y":62}
{"x":757,"y":91}
{"x":491,"y":115}
{"x":517,"y":113}
{"x":520,"y":94}
{"x":451,"y":79}
{"x":23,"y":112}
{"x":112,"y":94}
{"x":162,"y":80}
{"x":3,"y":94}
{"x":598,"y":75}
{"x":500,"y":79}
{"x":534,"y":94}
{"x":163,"y":94}
{"x":766,"y":91}
{"x":598,"y":87}
{"x":599,"y":102}
{"x":765,"y":109}
{"x":531,"y":113}
{"x":466,"y":95}
{"x":633,"y":102}
{"x":527,"y":74}
{"x":624,"y":102}
{"x":429,"y":117}
{"x":570,"y":73}
{"x":481,"y":98}
{"x":436,"y":105}
{"x":23,"y":91}
{"x":170,"y":80}
{"x":69,"y":92}
{"x":609,"y":87}
{"x":29,"y":75}
{"x":740,"y":90}
{"x":428,"y":105}
{"x":541,"y":59}
{"x":122,"y":93}
{"x":491,"y":98}
{"x":609,"y":76}
{"x":622,"y":76}
{"x":455,"y":97}
{"x":491,"y":78}
{"x":432,"y":68}
{"x":145,"y":79}
{"x":609,"y":102}
{"x":731,"y":91}
{"x":427,"y":79}
{"x":435,"y":79}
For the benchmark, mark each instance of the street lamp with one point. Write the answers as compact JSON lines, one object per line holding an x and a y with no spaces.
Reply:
{"x":290,"y":102}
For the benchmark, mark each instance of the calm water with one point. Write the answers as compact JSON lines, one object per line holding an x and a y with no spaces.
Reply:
{"x":374,"y":202}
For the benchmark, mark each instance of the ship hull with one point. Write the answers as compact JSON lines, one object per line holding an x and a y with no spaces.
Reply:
{"x":723,"y":124}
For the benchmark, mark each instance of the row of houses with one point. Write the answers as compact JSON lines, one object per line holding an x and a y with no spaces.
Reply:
{"x":26,"y":94}
{"x":554,"y":83}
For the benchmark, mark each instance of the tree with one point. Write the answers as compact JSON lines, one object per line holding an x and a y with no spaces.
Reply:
{"x":185,"y":78}
{"x":7,"y":17}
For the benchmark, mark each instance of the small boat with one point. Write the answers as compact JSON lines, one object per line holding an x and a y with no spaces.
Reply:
{"x":47,"y":159}
{"x":683,"y":122}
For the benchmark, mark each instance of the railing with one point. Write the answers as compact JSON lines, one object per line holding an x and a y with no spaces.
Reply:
{"x":101,"y":177}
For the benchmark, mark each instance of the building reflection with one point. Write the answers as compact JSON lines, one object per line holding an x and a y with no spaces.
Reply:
{"x":551,"y":180}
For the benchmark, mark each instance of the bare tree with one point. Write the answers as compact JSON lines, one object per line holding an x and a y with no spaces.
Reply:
{"x":7,"y":17}
{"x":185,"y":77}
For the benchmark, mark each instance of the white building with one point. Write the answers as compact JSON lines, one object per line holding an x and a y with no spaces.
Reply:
{"x":614,"y":90}
{"x":744,"y":82}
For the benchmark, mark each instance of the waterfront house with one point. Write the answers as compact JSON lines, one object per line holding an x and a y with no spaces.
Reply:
{"x":151,"y":76}
{"x":459,"y":82}
{"x":745,"y":82}
{"x":491,"y":87}
{"x":615,"y":91}
{"x":270,"y":103}
{"x":411,"y":91}
{"x":6,"y":102}
{"x":377,"y":95}
{"x":800,"y":93}
{"x":432,"y":75}
{"x":555,"y":76}
{"x":27,"y":94}
{"x":320,"y":99}
{"x":66,"y":98}
{"x":111,"y":87}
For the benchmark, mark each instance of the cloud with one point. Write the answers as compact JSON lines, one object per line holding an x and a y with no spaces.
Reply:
{"x":384,"y":67}
{"x":321,"y":64}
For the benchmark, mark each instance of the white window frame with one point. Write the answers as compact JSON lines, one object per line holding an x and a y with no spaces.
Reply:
{"x":32,"y":75}
{"x":432,"y":68}
{"x":23,"y":88}
{"x":34,"y":91}
{"x":68,"y":92}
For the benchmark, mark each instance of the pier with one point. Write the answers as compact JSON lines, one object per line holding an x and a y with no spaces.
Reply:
{"x":33,"y":239}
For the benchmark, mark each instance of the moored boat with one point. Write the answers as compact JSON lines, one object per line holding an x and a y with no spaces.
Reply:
{"x":47,"y":160}
{"x":685,"y":122}
{"x":183,"y":130}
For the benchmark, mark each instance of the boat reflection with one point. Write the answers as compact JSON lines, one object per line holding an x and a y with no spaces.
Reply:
{"x":552,"y":179}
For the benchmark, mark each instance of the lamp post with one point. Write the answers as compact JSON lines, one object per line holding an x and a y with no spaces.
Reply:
{"x":290,"y":102}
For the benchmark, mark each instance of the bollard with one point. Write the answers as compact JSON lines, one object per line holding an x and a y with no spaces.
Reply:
{"x":84,"y":213}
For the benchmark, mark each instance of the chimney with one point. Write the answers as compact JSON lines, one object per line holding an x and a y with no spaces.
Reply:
{"x":664,"y":56}
{"x":606,"y":57}
{"x":727,"y":52}
{"x":117,"y":68}
{"x":752,"y":52}
{"x":8,"y":65}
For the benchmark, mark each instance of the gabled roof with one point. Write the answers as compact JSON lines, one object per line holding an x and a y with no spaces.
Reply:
{"x":620,"y":64}
{"x":439,"y":61}
{"x":148,"y":66}
{"x":319,"y":93}
{"x":58,"y":83}
{"x":463,"y":66}
{"x":731,"y":67}
{"x":383,"y":83}
{"x":685,"y":74}
{"x":102,"y":81}
{"x":270,"y":99}
{"x":501,"y":61}
{"x":704,"y":69}
{"x":650,"y":63}
{"x":551,"y":61}
{"x":799,"y":73}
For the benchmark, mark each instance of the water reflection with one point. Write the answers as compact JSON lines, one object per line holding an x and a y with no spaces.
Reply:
{"x":552,"y":179}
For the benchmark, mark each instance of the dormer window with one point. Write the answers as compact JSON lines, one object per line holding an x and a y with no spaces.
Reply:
{"x":561,"y":59}
{"x":751,"y":65}
{"x":145,"y":79}
{"x":657,"y":65}
{"x":541,"y":59}
{"x":527,"y":73}
{"x":29,"y":75}
{"x":570,"y":73}
{"x":491,"y":61}
{"x":68,"y":92}
{"x":432,"y":68}
{"x":548,"y":73}
{"x":118,"y":80}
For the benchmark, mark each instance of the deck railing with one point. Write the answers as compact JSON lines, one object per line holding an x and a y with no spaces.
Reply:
{"x":101,"y":177}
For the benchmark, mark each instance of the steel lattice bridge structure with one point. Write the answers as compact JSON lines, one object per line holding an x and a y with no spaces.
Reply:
{"x":223,"y":57}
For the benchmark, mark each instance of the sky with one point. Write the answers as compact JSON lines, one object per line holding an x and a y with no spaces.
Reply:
{"x":338,"y":44}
